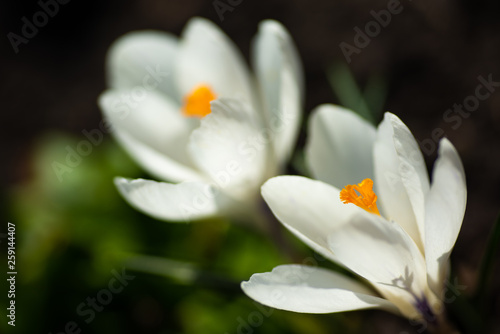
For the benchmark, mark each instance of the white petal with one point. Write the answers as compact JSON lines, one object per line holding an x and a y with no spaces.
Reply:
{"x":310,"y":209}
{"x":339,"y":149}
{"x":152,"y":119}
{"x":382,"y":252}
{"x":413,"y":170}
{"x":207,"y":56}
{"x":143,"y":59}
{"x":174,"y":202}
{"x":309,"y":289}
{"x":156,"y":163}
{"x":280,"y":77}
{"x":227,"y":148}
{"x":445,"y":208}
{"x":401,"y":176}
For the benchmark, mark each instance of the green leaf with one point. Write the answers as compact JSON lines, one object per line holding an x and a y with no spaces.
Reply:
{"x":375,"y":94}
{"x":368,"y":104}
{"x":487,"y":264}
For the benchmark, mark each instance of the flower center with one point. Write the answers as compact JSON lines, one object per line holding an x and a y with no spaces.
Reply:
{"x":361,"y":195}
{"x":423,"y":307}
{"x":197,"y":102}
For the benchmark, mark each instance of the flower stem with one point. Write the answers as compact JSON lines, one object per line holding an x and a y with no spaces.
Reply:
{"x":182,"y":272}
{"x":444,"y":328}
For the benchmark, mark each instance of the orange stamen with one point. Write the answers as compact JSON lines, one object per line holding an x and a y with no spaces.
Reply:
{"x":197,"y":103}
{"x":361,"y":195}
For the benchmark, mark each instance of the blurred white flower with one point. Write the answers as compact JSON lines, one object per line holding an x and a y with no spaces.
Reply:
{"x":398,"y":238}
{"x":188,"y":110}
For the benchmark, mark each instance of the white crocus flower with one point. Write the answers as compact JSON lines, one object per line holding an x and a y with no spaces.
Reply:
{"x":189,"y":112}
{"x":398,"y":238}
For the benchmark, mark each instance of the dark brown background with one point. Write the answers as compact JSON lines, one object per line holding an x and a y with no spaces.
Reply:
{"x":431,"y":55}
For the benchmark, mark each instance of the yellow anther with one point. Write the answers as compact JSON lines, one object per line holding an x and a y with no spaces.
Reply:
{"x":361,"y":195}
{"x":197,"y":103}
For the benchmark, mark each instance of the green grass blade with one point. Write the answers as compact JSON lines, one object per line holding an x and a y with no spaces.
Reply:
{"x":487,"y":263}
{"x":375,"y":94}
{"x":345,"y":87}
